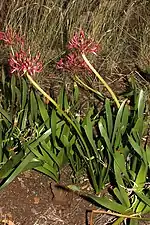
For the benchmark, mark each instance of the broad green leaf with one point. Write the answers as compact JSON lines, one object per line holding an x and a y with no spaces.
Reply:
{"x":89,"y":133}
{"x":109,"y":204}
{"x":61,"y":157}
{"x":24,"y":118}
{"x":13,"y":85}
{"x":53,"y":124}
{"x":141,"y":206}
{"x":18,"y":170}
{"x":118,"y":140}
{"x":141,"y":104}
{"x":36,"y":152}
{"x":143,"y":197}
{"x":72,"y":140}
{"x":1,"y":140}
{"x":33,"y":164}
{"x":42,"y":138}
{"x":46,"y":158}
{"x":141,"y":178}
{"x":3,"y":78}
{"x":65,"y":132}
{"x":33,"y":106}
{"x":50,"y":152}
{"x":53,"y":169}
{"x":47,"y":172}
{"x":118,"y":194}
{"x":121,"y":162}
{"x":10,"y":164}
{"x":18,"y":94}
{"x":5,"y":114}
{"x":105,"y":136}
{"x":118,"y":121}
{"x":43,"y":111}
{"x":121,"y":186}
{"x":109,"y":117}
{"x":148,"y":155}
{"x":24,"y":93}
{"x":138,"y":149}
{"x":137,"y":130}
{"x":65,"y":141}
{"x":125,"y":117}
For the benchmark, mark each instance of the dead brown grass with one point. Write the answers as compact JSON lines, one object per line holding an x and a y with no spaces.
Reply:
{"x":122,"y":27}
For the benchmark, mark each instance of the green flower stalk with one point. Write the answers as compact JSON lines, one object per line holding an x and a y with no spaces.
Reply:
{"x":80,"y":82}
{"x":102,"y":80}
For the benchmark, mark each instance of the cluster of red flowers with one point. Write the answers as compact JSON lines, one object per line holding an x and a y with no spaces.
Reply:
{"x":10,"y":37}
{"x":24,"y":62}
{"x":82,"y":44}
{"x":78,"y":45}
{"x":72,"y":62}
{"x":20,"y":61}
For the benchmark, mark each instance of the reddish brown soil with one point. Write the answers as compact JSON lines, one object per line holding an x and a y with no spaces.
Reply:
{"x":34,"y":199}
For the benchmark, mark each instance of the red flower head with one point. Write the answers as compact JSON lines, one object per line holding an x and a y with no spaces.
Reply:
{"x":72,"y":62}
{"x":23,"y":62}
{"x":82,"y":44}
{"x":10,"y":37}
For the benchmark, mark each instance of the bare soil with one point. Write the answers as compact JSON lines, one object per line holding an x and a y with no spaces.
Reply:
{"x":34,"y":199}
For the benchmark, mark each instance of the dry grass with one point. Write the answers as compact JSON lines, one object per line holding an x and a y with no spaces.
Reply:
{"x":122,"y":27}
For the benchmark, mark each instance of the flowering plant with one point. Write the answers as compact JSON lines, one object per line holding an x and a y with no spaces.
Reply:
{"x":77,"y":61}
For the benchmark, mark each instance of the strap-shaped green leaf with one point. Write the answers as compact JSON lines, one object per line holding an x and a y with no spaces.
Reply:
{"x":109,"y":117}
{"x":121,"y":186}
{"x":109,"y":204}
{"x":43,"y":111}
{"x":33,"y":106}
{"x":121,"y":162}
{"x":50,"y":152}
{"x":24,"y":93}
{"x":47,"y":172}
{"x":141,"y":177}
{"x":143,"y":197}
{"x":1,"y":141}
{"x":5,"y":114}
{"x":141,"y":152}
{"x":141,"y":104}
{"x":24,"y":118}
{"x":7,"y":168}
{"x":148,"y":155}
{"x":118,"y":121}
{"x":105,"y":135}
{"x":125,"y":118}
{"x":13,"y":85}
{"x":54,"y":120}
{"x":42,"y":138}
{"x":46,"y":158}
{"x":28,"y":158}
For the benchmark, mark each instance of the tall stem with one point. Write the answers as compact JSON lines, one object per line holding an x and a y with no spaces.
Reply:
{"x":80,"y":82}
{"x":102,"y":80}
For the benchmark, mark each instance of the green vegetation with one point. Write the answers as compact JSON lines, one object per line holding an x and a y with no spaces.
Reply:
{"x":106,"y":136}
